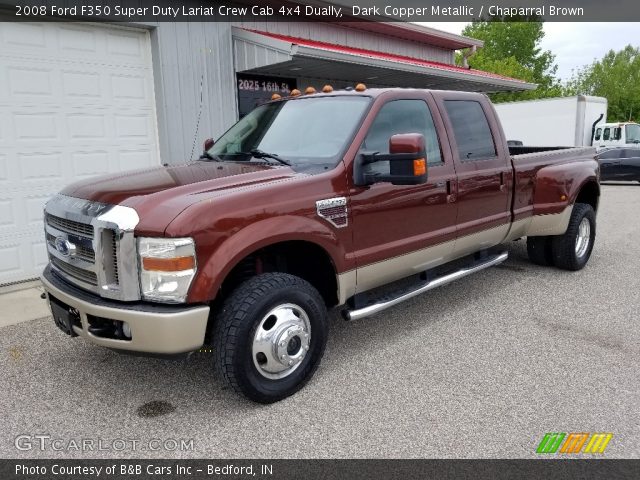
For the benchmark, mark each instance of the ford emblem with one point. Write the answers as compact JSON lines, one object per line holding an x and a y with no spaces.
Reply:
{"x":65,"y":247}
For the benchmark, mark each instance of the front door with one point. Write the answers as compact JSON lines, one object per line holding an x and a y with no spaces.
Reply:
{"x":402,"y":230}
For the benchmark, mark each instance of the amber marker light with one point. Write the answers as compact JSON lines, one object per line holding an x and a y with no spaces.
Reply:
{"x":309,"y":90}
{"x":275,"y":96}
{"x":419,"y":167}
{"x":361,"y":87}
{"x":176,"y":264}
{"x":295,"y":92}
{"x":563,"y":197}
{"x":327,"y":89}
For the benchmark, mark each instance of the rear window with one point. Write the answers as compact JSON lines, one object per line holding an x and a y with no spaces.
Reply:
{"x":471,"y":130}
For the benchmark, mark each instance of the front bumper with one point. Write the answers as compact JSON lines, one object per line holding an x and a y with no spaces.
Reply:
{"x":161,"y":329}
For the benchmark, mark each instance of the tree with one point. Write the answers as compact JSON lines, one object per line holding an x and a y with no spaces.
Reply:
{"x":512,"y":48}
{"x":617,"y":78}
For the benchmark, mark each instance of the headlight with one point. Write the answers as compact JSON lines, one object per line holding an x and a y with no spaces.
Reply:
{"x":167,"y":267}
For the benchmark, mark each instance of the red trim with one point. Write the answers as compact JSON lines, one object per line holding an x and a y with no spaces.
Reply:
{"x":383,"y":56}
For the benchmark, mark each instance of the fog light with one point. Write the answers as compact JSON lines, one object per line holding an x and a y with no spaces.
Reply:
{"x":126,"y":330}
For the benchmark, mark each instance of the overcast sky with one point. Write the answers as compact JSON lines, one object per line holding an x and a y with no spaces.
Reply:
{"x":576,"y":44}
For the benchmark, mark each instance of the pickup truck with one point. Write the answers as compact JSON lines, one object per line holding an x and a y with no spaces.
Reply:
{"x":350,"y":201}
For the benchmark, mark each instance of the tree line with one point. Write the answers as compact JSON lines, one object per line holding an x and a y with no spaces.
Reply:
{"x":512,"y":48}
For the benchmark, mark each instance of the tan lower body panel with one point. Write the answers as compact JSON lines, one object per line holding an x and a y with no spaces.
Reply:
{"x":381,"y":273}
{"x":152,"y":332}
{"x":552,"y":224}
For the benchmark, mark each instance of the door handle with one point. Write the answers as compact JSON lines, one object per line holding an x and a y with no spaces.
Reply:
{"x":451,"y":196}
{"x":502,"y":185}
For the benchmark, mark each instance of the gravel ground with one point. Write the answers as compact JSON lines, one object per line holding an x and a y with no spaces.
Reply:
{"x":483,"y":367}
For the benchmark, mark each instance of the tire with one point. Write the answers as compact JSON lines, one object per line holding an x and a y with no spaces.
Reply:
{"x":539,"y":251}
{"x":266,"y":316}
{"x":568,"y":253}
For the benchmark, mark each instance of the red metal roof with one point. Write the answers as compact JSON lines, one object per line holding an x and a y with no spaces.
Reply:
{"x":383,"y":56}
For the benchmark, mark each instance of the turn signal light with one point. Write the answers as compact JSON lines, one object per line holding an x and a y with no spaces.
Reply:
{"x":309,"y":90}
{"x":361,"y":87}
{"x":419,"y":167}
{"x":295,"y":92}
{"x":327,"y":89}
{"x":175,"y":264}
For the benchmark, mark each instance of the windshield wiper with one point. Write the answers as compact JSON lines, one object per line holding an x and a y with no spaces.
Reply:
{"x":262,"y":155}
{"x":207,"y":156}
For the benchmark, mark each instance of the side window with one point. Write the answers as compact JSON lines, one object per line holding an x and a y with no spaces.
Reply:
{"x":607,"y":134}
{"x":402,"y":116}
{"x":471,"y":130}
{"x":598,"y":133}
{"x":617,"y":133}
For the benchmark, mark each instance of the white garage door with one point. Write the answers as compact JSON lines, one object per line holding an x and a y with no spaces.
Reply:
{"x":75,"y":101}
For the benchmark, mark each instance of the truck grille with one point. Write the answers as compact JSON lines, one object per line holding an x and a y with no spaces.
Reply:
{"x":69,"y":226}
{"x":73,"y":272}
{"x":92,"y":245}
{"x":85,"y":253}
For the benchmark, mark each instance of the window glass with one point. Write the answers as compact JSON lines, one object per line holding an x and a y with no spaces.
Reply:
{"x":633,"y":133}
{"x":607,"y":134}
{"x":598,"y":133}
{"x":471,"y":130}
{"x":617,"y":133}
{"x":402,"y":116}
{"x":310,"y":133}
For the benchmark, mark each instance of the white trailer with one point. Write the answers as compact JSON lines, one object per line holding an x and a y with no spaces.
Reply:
{"x":561,"y":122}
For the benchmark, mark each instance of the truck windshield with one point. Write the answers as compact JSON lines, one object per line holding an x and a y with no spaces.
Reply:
{"x":308,"y":133}
{"x":633,"y":133}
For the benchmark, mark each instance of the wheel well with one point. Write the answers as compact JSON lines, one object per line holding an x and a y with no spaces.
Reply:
{"x":590,"y":194}
{"x":302,"y":259}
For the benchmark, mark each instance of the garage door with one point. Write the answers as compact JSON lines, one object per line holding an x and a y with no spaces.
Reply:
{"x":75,"y":101}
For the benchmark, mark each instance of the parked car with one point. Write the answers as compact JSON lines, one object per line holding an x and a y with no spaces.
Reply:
{"x":357,"y":199}
{"x":620,"y":164}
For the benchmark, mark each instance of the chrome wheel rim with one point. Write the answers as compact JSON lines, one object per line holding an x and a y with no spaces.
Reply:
{"x":583,"y":238}
{"x":281,"y":341}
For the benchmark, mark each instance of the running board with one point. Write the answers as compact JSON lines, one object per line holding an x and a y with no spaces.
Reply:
{"x":487,"y":262}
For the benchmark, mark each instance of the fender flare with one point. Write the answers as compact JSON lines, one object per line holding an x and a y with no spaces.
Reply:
{"x":256,"y":236}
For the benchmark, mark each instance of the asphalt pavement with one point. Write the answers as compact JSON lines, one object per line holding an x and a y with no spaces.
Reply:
{"x":483,"y":367}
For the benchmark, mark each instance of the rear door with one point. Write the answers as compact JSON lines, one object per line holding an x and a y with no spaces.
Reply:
{"x":400,"y":230}
{"x":483,"y":168}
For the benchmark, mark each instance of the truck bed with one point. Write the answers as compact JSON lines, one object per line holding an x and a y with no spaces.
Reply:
{"x":542,"y":175}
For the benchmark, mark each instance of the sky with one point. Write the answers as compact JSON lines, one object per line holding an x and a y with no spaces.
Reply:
{"x":575,"y":44}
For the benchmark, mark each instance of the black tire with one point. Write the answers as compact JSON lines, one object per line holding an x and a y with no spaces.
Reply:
{"x":539,"y":250}
{"x":564,"y":246}
{"x":240,"y":316}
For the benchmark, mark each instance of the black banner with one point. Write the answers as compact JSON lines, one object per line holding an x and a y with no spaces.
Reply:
{"x":318,"y":469}
{"x":315,"y":11}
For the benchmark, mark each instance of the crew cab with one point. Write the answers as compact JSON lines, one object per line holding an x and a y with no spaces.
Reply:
{"x":351,"y":200}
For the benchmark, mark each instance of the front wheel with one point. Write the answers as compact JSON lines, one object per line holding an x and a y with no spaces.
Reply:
{"x":270,"y":336}
{"x":572,"y":250}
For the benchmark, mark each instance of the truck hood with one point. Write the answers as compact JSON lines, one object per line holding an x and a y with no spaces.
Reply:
{"x":160,"y":194}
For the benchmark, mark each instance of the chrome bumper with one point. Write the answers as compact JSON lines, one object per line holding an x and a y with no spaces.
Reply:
{"x":154,"y":328}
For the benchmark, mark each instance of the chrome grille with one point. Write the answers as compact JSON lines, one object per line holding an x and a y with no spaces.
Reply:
{"x":69,"y":226}
{"x":93,"y":246}
{"x":86,"y":254}
{"x":81,"y":274}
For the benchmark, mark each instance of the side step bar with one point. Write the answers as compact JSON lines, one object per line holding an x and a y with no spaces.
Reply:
{"x":430,"y":285}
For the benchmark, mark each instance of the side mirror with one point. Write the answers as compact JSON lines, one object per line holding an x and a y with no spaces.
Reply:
{"x":407,"y":162}
{"x":208,"y":143}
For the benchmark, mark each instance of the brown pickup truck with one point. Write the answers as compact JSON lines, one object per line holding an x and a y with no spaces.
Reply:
{"x":356,"y":199}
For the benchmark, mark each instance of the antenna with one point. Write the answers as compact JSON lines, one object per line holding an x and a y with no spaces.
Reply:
{"x":195,"y":135}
